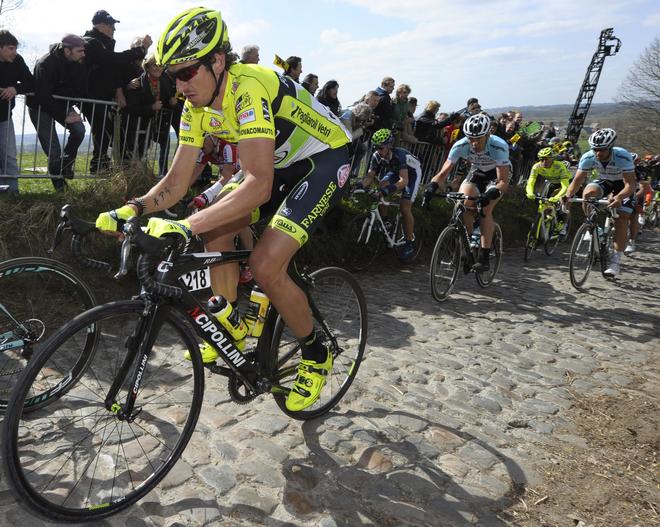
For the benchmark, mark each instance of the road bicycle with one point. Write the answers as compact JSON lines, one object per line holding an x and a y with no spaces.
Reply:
{"x":38,"y":296}
{"x":652,"y":211}
{"x":545,"y":228}
{"x":454,"y":251}
{"x":106,"y":435}
{"x":372,"y":232}
{"x":592,"y":242}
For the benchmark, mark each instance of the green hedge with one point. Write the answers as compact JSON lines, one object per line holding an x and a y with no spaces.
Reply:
{"x":27,"y":223}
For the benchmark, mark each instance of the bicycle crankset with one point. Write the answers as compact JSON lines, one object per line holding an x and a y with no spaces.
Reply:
{"x":238,"y":392}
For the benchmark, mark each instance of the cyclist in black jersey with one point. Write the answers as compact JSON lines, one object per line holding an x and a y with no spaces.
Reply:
{"x":294,"y":157}
{"x":397,"y":170}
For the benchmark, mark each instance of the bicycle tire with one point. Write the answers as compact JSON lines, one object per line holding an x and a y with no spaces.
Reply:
{"x":417,"y":242}
{"x":552,"y":237}
{"x":530,"y":244}
{"x":44,"y":294}
{"x":368,"y":243}
{"x":76,"y":430}
{"x":446,"y":256}
{"x":342,"y":304}
{"x":486,"y":278}
{"x":581,"y":257}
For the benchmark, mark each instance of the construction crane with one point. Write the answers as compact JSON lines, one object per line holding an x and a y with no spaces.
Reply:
{"x":608,"y":45}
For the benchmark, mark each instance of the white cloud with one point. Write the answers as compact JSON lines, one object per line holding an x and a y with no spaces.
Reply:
{"x":333,"y":36}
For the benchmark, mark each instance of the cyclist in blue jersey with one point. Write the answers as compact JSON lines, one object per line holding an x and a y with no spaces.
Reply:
{"x":487,"y":180}
{"x":396,"y":169}
{"x":616,"y":178}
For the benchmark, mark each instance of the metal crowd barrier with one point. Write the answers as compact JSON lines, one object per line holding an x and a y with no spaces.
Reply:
{"x":125,"y":139}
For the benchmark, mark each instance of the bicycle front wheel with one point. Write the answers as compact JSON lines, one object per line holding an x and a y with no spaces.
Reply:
{"x":367,"y":240}
{"x":77,"y":459}
{"x":552,"y":238}
{"x":582,"y":256}
{"x":530,"y":244}
{"x":445,"y":263}
{"x":340,"y":312}
{"x":486,"y":278}
{"x":37,"y":297}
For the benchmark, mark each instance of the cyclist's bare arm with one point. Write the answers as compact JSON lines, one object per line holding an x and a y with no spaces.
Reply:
{"x":256,"y":157}
{"x":502,"y":182}
{"x":580,"y":176}
{"x":444,"y":172}
{"x":173,"y":187}
{"x":368,"y":178}
{"x":629,"y":185}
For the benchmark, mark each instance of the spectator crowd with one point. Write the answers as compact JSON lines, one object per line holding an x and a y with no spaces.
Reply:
{"x":131,"y":104}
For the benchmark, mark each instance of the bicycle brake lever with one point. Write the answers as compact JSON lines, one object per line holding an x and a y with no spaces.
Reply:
{"x":124,"y":261}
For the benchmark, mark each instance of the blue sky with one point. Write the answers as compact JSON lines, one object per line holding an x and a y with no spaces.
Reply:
{"x":506,"y":52}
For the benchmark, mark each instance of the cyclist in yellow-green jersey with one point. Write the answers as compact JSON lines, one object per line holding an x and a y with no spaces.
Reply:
{"x":558,"y":178}
{"x":294,"y":156}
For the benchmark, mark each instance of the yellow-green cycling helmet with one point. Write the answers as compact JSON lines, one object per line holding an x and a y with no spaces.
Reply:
{"x":191,"y":35}
{"x":382,"y":137}
{"x":546,"y":153}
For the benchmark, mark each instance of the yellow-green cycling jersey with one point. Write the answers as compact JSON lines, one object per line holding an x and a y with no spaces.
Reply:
{"x":555,"y":174}
{"x":259,"y":103}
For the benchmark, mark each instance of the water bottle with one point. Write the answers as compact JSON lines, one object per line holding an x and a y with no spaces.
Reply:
{"x":256,"y":313}
{"x":230,"y":319}
{"x":475,"y":239}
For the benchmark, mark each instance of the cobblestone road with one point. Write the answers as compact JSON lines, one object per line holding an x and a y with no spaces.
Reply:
{"x":454,"y":406}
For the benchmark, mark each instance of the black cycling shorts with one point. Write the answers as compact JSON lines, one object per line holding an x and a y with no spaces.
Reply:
{"x":482,"y":180}
{"x":303,"y":193}
{"x":608,"y":187}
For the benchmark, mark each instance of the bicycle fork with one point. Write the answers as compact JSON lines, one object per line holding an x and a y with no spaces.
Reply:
{"x":138,"y":346}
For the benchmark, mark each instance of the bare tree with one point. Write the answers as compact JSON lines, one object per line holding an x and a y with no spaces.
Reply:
{"x":641,"y":92}
{"x":9,"y":5}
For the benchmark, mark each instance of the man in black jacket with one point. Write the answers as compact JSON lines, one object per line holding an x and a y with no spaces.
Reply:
{"x":105,"y":67}
{"x":62,"y":72}
{"x":384,"y":111}
{"x":15,"y":77}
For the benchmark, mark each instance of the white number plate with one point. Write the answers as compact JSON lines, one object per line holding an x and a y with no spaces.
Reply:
{"x":197,"y":280}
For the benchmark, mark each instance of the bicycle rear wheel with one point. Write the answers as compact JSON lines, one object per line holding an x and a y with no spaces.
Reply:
{"x":342,"y":316}
{"x":486,"y":278}
{"x":530,"y":244}
{"x":368,"y":241}
{"x":37,"y":297}
{"x":400,"y":237}
{"x":445,"y":263}
{"x":75,"y":460}
{"x":582,"y":256}
{"x":552,"y":237}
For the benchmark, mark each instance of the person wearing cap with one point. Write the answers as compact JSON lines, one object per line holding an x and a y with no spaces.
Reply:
{"x":105,"y":75}
{"x":62,"y":72}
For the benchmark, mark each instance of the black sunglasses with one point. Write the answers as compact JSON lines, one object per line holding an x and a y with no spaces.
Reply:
{"x":185,"y":74}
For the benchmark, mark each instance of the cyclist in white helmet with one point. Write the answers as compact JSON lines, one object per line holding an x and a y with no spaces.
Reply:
{"x":616,"y":178}
{"x":487,"y":180}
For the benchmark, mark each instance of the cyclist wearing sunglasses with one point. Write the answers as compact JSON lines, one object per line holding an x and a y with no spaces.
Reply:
{"x":616,"y":178}
{"x":294,"y":157}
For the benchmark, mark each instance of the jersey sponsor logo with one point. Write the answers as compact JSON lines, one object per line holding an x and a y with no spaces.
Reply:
{"x":321,"y":207}
{"x":186,"y":139}
{"x":285,"y":226}
{"x":280,"y":156}
{"x":256,"y":130}
{"x":247,"y":116}
{"x":214,"y":123}
{"x":302,"y":190}
{"x":243,"y":102}
{"x":342,"y":174}
{"x":264,"y":109}
{"x":286,"y":211}
{"x":308,"y":120}
{"x":184,"y":126}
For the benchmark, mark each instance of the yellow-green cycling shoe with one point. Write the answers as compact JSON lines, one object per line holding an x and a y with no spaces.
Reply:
{"x":308,"y":384}
{"x":209,"y":354}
